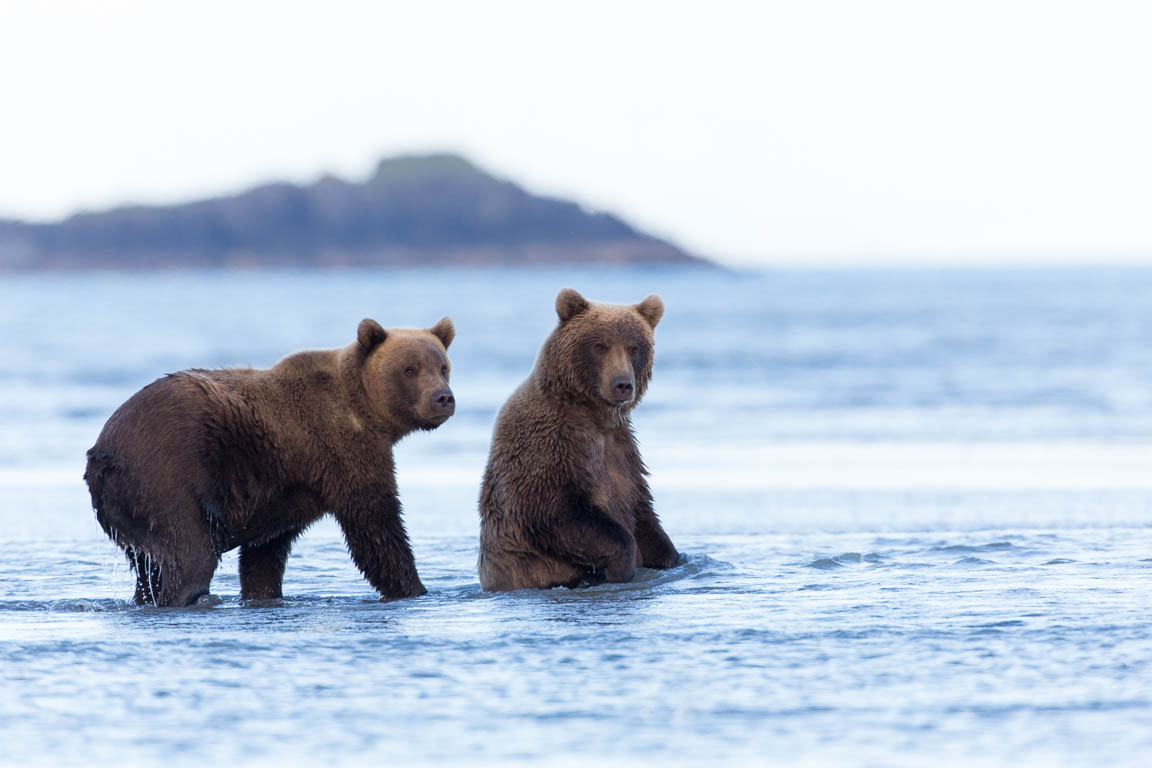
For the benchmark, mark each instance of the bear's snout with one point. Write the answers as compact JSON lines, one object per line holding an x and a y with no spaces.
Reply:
{"x":443,"y":402}
{"x":623,"y":389}
{"x":437,"y":409}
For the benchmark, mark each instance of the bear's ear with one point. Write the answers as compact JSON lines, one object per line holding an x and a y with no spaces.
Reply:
{"x":370,"y":334}
{"x":651,"y":309}
{"x":444,"y":330}
{"x":569,"y":303}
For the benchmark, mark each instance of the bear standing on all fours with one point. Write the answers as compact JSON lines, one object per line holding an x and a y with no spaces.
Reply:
{"x":201,"y":462}
{"x":565,"y":501}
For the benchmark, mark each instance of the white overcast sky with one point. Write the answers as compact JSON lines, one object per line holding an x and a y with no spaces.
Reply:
{"x":757,"y":133}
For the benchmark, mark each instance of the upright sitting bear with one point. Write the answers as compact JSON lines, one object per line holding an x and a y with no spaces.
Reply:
{"x":565,"y":501}
{"x":201,"y":462}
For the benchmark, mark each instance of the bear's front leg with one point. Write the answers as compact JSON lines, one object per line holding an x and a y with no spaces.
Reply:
{"x":584,"y":535}
{"x":656,"y":549}
{"x":379,"y":546}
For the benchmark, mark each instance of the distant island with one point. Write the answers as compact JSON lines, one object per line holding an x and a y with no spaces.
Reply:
{"x":415,"y":210}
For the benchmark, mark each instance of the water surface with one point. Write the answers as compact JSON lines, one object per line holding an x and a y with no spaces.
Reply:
{"x":914,"y":507}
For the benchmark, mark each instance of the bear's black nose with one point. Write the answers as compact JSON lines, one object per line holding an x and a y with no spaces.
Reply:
{"x":444,"y":400}
{"x":623,"y":388}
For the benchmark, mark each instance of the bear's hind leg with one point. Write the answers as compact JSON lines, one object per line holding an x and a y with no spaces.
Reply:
{"x":148,"y":572}
{"x":193,"y":579}
{"x":164,"y":582}
{"x":262,"y":567}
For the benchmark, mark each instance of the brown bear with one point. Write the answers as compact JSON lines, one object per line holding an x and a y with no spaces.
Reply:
{"x":565,"y":500}
{"x":203,"y":461}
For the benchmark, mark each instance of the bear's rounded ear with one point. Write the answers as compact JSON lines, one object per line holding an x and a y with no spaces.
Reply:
{"x":651,"y":309}
{"x":444,"y":330}
{"x":370,"y":334}
{"x":569,"y":303}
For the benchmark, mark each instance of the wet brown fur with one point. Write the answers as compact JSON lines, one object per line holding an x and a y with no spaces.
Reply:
{"x":203,"y":461}
{"x":565,"y":499}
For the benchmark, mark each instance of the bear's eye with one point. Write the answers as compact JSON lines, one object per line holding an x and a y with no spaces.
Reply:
{"x":600,"y":347}
{"x":409,"y":371}
{"x":443,"y":370}
{"x":632,"y":350}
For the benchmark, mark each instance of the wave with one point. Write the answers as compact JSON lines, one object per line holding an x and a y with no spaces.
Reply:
{"x":844,"y":560}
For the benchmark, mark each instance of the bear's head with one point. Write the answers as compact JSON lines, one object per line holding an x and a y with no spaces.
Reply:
{"x":405,"y":373}
{"x":600,"y":355}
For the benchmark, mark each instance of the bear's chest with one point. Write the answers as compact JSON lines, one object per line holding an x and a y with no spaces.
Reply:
{"x":613,"y":477}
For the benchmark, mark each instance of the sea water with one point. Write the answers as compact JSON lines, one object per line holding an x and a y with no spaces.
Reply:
{"x":914,"y":507}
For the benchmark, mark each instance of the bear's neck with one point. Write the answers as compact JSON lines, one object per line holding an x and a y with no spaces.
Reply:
{"x":355,"y":398}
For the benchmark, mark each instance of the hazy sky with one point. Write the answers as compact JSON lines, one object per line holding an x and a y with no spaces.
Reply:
{"x":751,"y":132}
